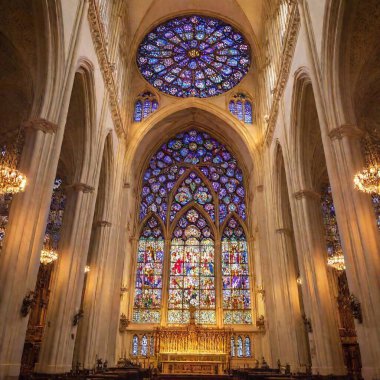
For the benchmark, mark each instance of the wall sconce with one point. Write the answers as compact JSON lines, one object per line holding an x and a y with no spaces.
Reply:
{"x":299,"y":280}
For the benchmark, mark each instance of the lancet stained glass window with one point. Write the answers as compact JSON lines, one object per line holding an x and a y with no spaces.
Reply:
{"x":148,"y":286}
{"x":55,"y":216}
{"x":241,"y":107}
{"x":192,"y":184}
{"x":192,"y":277}
{"x":194,"y":56}
{"x":145,"y":104}
{"x":144,"y":346}
{"x":135,"y":345}
{"x":235,"y":275}
{"x":247,"y":343}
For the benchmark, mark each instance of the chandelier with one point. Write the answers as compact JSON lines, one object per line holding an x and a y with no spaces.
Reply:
{"x":48,"y":252}
{"x":368,"y":179}
{"x":86,"y":269}
{"x":12,"y":181}
{"x":48,"y":255}
{"x":336,"y":261}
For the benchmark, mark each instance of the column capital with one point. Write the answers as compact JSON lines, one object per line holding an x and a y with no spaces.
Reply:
{"x":81,"y":187}
{"x":40,"y":124}
{"x":103,"y":223}
{"x":345,"y":130}
{"x":306,"y":193}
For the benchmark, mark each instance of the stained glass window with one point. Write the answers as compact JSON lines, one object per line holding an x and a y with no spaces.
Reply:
{"x":247,"y":343}
{"x":138,"y":111}
{"x":232,"y":346}
{"x":193,"y":149}
{"x":192,"y":189}
{"x":239,"y":347}
{"x":55,"y":217}
{"x":329,"y":220}
{"x":192,"y":184}
{"x":145,"y":104}
{"x":194,"y":56}
{"x":5,"y":203}
{"x":135,"y":345}
{"x":241,"y":107}
{"x":235,"y":275}
{"x":192,"y":276}
{"x":148,"y":286}
{"x":376,"y":206}
{"x":144,"y":346}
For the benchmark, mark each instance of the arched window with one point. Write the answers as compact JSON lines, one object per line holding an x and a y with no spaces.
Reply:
{"x":333,"y":244}
{"x":192,"y":185}
{"x":241,"y":107}
{"x":144,"y":346}
{"x":232,"y":346}
{"x":148,"y":286}
{"x":135,"y":345}
{"x":192,"y":278}
{"x":239,"y":347}
{"x":247,"y":343}
{"x":145,"y":104}
{"x":55,"y":217}
{"x":235,"y":275}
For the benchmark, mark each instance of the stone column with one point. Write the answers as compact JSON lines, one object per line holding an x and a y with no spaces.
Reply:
{"x":292,"y":337}
{"x":319,"y":318}
{"x":92,"y":336}
{"x":59,"y":335}
{"x":20,"y":255}
{"x":360,"y":241}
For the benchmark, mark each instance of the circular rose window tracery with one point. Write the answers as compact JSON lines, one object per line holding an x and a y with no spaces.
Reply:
{"x":194,"y":56}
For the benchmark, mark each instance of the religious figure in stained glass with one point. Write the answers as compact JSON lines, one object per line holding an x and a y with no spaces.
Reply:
{"x":192,"y":277}
{"x":135,"y":345}
{"x":235,"y":275}
{"x":148,"y":286}
{"x":191,"y":186}
{"x":144,"y":346}
{"x":194,"y":56}
{"x":239,"y":347}
{"x":247,"y":343}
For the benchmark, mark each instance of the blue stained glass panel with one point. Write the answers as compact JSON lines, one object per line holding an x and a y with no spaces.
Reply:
{"x":248,"y":112}
{"x":194,"y":56}
{"x":138,"y":111}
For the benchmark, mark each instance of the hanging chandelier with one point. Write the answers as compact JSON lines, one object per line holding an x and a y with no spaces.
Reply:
{"x":336,"y":261}
{"x":87,"y":269}
{"x":12,"y":181}
{"x":49,"y":254}
{"x":368,"y":179}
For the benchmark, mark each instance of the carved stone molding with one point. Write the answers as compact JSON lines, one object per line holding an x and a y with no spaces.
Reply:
{"x":106,"y":66}
{"x":103,"y":223}
{"x":81,"y":187}
{"x":307,"y":194}
{"x":283,"y":75}
{"x":40,"y":124}
{"x":345,"y":130}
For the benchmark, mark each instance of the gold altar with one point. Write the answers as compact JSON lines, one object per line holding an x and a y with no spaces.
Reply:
{"x":193,"y":349}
